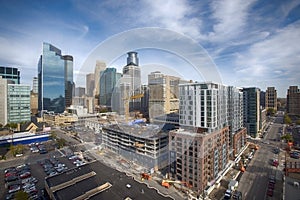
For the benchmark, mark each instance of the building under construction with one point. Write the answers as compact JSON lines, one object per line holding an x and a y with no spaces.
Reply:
{"x":144,"y":144}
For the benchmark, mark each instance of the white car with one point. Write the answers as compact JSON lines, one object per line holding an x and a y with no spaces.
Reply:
{"x":128,"y":185}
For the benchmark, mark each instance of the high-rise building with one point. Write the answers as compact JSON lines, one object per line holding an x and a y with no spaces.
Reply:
{"x":163,"y":94}
{"x":69,"y":84}
{"x":262,"y":99}
{"x":79,"y":91}
{"x":90,"y":84}
{"x":132,"y":72}
{"x":18,"y":101}
{"x":271,"y":98}
{"x":252,"y":112}
{"x":199,"y":150}
{"x":10,"y":73}
{"x":100,"y":66}
{"x":35,"y":85}
{"x":55,"y":79}
{"x":237,"y":131}
{"x":293,"y":100}
{"x":108,"y":82}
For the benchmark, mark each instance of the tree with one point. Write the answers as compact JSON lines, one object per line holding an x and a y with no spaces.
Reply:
{"x":298,"y":122}
{"x":271,"y":111}
{"x":21,"y":195}
{"x":61,"y":143}
{"x":287,"y":119}
{"x":287,"y":138}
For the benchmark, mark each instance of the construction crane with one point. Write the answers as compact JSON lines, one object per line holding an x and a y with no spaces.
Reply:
{"x":126,"y":104}
{"x":166,"y":183}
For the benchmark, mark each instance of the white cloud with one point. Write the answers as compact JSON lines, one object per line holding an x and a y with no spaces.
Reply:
{"x":231,"y":18}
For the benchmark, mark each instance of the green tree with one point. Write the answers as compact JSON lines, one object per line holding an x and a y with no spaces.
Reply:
{"x":287,"y":138}
{"x":271,"y":111}
{"x":21,"y":195}
{"x":298,"y":122}
{"x":287,"y":119}
{"x":61,"y":143}
{"x":53,"y":135}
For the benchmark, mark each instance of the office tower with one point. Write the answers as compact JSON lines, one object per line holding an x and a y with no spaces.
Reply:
{"x":293,"y":100}
{"x":69,"y":84}
{"x":55,"y":78}
{"x":271,"y":98}
{"x":79,"y":91}
{"x":10,"y":73}
{"x":90,"y":84}
{"x":252,"y":117}
{"x":108,"y":82}
{"x":133,"y":73}
{"x":18,"y":101}
{"x":199,"y":150}
{"x":145,"y":101}
{"x":3,"y":100}
{"x":100,"y":66}
{"x":132,"y":59}
{"x":35,"y":85}
{"x":163,"y":94}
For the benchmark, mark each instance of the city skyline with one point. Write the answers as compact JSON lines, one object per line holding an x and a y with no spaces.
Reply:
{"x":252,"y":44}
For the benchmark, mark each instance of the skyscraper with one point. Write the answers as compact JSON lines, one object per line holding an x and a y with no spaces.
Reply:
{"x":100,"y":66}
{"x":271,"y":98}
{"x":252,"y":117}
{"x":133,"y":73}
{"x":10,"y":73}
{"x":108,"y":82}
{"x":293,"y":100}
{"x":90,"y":84}
{"x":55,"y":78}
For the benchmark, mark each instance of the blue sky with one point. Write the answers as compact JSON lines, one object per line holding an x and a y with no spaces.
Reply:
{"x":252,"y":43}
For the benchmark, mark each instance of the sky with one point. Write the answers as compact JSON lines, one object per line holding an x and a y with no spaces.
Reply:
{"x":250,"y":43}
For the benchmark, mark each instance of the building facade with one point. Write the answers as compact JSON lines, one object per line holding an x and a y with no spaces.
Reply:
{"x":3,"y":100}
{"x":142,"y":145}
{"x":10,"y":73}
{"x":199,"y":150}
{"x":163,"y":94}
{"x":271,"y":98}
{"x":35,"y":85}
{"x":252,"y":112}
{"x":293,"y":100}
{"x":79,"y":92}
{"x":18,"y":103}
{"x":108,"y":81}
{"x":55,"y":79}
{"x":100,"y":66}
{"x":90,"y":84}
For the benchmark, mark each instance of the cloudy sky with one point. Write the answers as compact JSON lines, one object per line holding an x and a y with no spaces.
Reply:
{"x":251,"y":43}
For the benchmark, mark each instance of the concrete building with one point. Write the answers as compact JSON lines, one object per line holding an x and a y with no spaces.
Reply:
{"x":237,"y":131}
{"x":100,"y":66}
{"x":199,"y":150}
{"x":145,"y":145}
{"x":293,"y":100}
{"x":79,"y":92}
{"x":90,"y":84}
{"x":34,"y":102}
{"x":10,"y":73}
{"x":252,"y":112}
{"x":271,"y":98}
{"x":3,"y":100}
{"x":55,"y":79}
{"x":163,"y":94}
{"x":18,"y":103}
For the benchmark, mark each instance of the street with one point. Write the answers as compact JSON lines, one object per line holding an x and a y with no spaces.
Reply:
{"x":254,"y":182}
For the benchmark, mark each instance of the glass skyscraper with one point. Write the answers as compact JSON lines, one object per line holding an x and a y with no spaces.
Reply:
{"x":108,"y":80}
{"x":55,"y":74}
